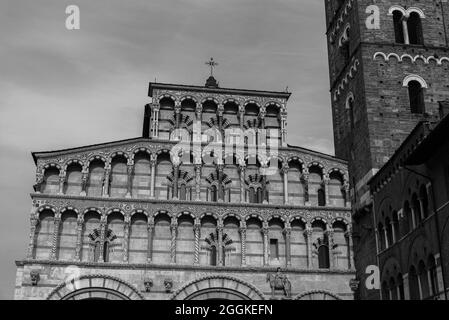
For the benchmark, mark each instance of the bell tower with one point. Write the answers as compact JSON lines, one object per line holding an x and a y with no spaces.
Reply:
{"x":388,"y":70}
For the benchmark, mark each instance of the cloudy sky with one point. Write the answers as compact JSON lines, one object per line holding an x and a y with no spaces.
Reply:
{"x":62,"y":88}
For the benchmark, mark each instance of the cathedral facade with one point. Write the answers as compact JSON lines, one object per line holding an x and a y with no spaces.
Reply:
{"x":211,"y":202}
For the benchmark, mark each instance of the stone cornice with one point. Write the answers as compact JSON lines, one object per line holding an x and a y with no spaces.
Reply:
{"x":145,"y":266}
{"x":150,"y":207}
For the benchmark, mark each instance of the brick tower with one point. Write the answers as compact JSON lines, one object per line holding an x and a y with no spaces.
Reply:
{"x":389,"y":69}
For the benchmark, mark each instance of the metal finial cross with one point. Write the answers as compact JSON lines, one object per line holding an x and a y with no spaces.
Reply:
{"x":212,"y":64}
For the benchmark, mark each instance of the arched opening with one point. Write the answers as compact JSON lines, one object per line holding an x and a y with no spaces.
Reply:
{"x":254,"y":242}
{"x":73,"y":179}
{"x":166,"y":110}
{"x":119,"y":177}
{"x":44,"y":235}
{"x":398,"y":26}
{"x":114,"y":251}
{"x":337,"y":195}
{"x":341,"y":244}
{"x":397,"y":234}
{"x":67,"y":236}
{"x":295,"y":183}
{"x":91,"y":223}
{"x":416,"y":97}
{"x":298,"y":244}
{"x":138,"y":238}
{"x":414,"y":27}
{"x":142,"y":176}
{"x":273,"y":122}
{"x":51,"y":181}
{"x":185,"y":243}
{"x":161,"y":239}
{"x":232,"y":253}
{"x":321,"y":244}
{"x":276,"y":242}
{"x":315,"y":183}
{"x":389,"y":228}
{"x":96,"y":178}
{"x":164,"y":166}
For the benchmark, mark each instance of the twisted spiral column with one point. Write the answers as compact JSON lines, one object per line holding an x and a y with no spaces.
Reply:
{"x":57,"y":223}
{"x":173,"y":229}
{"x":243,"y":242}
{"x":150,"y":228}
{"x":196,"y":230}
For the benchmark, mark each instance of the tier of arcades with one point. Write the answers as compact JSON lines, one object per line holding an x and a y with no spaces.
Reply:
{"x":143,"y":169}
{"x":180,"y":232}
{"x":176,"y":107}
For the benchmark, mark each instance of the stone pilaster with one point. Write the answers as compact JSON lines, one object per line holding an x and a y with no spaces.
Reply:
{"x":62,"y":180}
{"x":34,"y":221}
{"x":305,"y":183}
{"x":150,"y":229}
{"x":348,"y":235}
{"x":153,"y":162}
{"x":265,"y":232}
{"x":125,"y":248}
{"x":129,"y":179}
{"x":308,"y":235}
{"x":287,"y":233}
{"x":106,"y":179}
{"x":220,"y":169}
{"x":175,"y":180}
{"x":242,"y":183}
{"x":220,"y":243}
{"x":284,"y":172}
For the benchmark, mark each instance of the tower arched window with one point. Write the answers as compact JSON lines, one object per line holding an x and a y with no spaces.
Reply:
{"x":414,"y":27}
{"x":416,"y":97}
{"x":398,"y":26}
{"x":350,"y":111}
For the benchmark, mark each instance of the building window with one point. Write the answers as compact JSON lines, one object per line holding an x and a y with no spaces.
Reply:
{"x":350,"y":107}
{"x":416,"y":96}
{"x":182,"y":192}
{"x":213,"y":256}
{"x":401,"y":287}
{"x":398,"y":26}
{"x":323,"y":257}
{"x":433,"y":276}
{"x":414,"y":27}
{"x":321,"y":198}
{"x":274,"y":249}
{"x":213,"y":194}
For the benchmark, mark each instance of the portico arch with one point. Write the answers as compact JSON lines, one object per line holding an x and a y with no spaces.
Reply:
{"x":218,"y":287}
{"x":95,"y":287}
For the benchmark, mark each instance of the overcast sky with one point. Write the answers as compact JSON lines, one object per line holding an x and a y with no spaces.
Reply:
{"x":62,"y":89}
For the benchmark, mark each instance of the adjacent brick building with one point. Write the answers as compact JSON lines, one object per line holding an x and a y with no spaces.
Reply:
{"x":389,"y":69}
{"x":411,"y":214}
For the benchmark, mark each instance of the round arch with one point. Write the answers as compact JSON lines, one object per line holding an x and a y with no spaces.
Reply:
{"x":317,"y":295}
{"x":218,"y":287}
{"x":95,"y":286}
